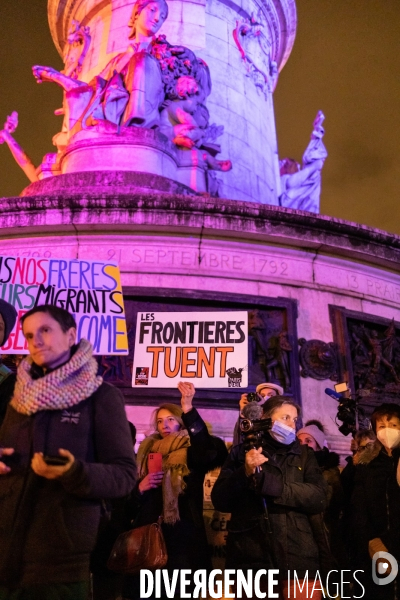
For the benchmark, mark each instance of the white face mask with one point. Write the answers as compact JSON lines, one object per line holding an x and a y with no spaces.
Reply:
{"x":389,"y":437}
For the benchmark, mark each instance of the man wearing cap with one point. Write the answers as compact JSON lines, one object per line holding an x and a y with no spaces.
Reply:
{"x":264,"y":391}
{"x":8,"y":316}
{"x":267,"y":390}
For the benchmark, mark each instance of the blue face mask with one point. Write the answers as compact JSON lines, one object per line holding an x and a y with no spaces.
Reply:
{"x":282,"y":433}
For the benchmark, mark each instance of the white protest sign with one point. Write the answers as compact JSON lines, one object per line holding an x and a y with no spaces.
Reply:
{"x":210,"y":349}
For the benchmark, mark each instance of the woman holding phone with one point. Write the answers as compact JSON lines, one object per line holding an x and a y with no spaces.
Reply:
{"x":172,"y":464}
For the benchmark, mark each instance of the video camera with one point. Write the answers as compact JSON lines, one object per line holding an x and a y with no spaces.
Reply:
{"x":252,"y":426}
{"x":348,"y":412}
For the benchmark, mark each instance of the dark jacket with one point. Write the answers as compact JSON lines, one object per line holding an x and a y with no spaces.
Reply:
{"x":293,"y":489}
{"x":375,"y":511}
{"x":186,"y":540}
{"x":6,"y":393}
{"x":347,"y":477}
{"x":329,"y":464}
{"x":347,"y":480}
{"x":48,"y":527}
{"x":376,"y":502}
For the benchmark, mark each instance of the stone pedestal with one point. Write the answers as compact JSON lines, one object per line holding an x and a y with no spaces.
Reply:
{"x":134,"y":150}
{"x":111,"y":183}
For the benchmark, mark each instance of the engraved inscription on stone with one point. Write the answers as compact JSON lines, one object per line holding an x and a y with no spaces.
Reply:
{"x":252,"y":262}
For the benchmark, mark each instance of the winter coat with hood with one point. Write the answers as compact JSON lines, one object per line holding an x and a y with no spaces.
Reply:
{"x":48,"y":527}
{"x":293,"y":487}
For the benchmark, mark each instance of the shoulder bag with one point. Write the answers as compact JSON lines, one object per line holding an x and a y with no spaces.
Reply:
{"x":140,"y":548}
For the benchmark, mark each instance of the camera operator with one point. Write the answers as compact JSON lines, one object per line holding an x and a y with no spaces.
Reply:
{"x":375,"y":503}
{"x":271,"y":491}
{"x":264,"y":391}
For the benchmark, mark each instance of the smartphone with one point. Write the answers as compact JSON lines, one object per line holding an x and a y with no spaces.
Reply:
{"x":154,"y":462}
{"x":55,"y":461}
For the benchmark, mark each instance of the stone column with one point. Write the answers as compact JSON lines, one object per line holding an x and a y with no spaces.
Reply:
{"x":240,"y":63}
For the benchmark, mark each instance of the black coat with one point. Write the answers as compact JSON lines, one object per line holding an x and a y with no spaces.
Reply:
{"x":375,"y":513}
{"x":48,"y":527}
{"x":186,"y":540}
{"x":293,"y":489}
{"x":6,"y":393}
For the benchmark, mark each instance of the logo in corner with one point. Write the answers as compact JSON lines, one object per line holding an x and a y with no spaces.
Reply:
{"x":385,"y":564}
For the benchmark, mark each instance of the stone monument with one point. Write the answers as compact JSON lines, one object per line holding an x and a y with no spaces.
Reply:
{"x":171,"y":103}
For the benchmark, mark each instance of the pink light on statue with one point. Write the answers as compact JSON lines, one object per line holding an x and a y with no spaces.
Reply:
{"x":142,"y":99}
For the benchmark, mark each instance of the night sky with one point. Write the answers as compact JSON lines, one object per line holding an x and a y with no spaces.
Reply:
{"x":345,"y":61}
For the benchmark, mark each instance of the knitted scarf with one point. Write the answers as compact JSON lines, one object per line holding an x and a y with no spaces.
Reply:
{"x":174,"y":451}
{"x":62,"y":388}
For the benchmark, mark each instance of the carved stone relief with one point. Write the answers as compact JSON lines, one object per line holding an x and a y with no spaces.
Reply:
{"x":76,"y":48}
{"x":318,"y":359}
{"x":255,"y":49}
{"x":369,"y":355}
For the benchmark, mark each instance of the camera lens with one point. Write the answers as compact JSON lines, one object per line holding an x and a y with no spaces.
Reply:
{"x":252,"y":397}
{"x":246,"y":425}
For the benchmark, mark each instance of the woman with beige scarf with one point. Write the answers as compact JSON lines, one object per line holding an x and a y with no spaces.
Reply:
{"x":176,"y":492}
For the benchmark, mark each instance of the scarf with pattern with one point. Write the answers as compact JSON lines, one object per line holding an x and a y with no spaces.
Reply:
{"x":174,"y":452}
{"x":62,"y":388}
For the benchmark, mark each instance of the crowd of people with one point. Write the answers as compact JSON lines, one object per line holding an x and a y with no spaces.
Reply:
{"x":70,"y":482}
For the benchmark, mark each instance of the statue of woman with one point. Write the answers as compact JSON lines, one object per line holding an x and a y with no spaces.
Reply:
{"x":140,"y":70}
{"x":129,"y":91}
{"x":301,"y":187}
{"x":152,"y":84}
